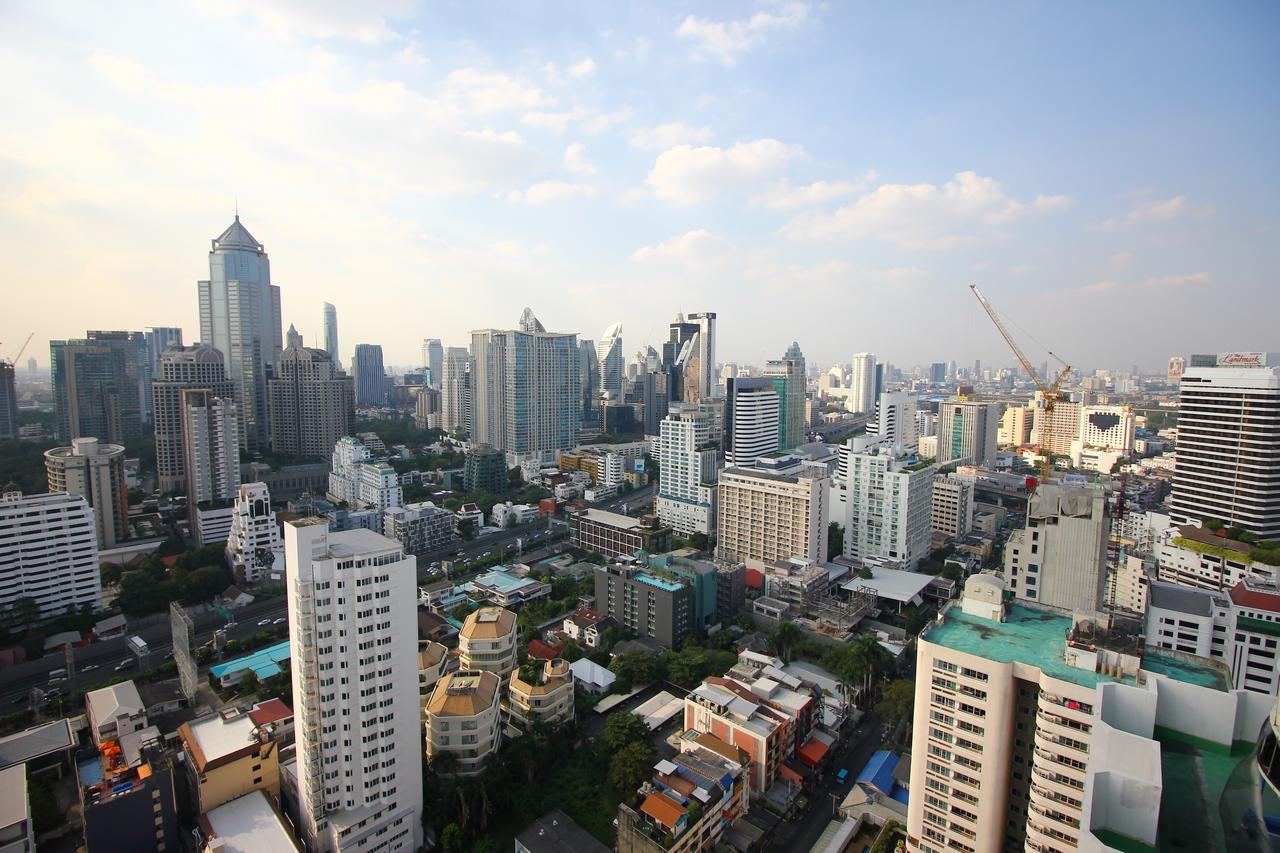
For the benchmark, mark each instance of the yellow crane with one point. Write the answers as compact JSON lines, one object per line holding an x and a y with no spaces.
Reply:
{"x":1052,"y":393}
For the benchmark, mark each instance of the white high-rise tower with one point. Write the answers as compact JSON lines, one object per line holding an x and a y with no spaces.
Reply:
{"x":611,"y":361}
{"x":862,"y":400}
{"x":353,"y":635}
{"x":331,"y":333}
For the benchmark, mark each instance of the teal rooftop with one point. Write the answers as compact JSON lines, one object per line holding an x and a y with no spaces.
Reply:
{"x":1039,"y":638}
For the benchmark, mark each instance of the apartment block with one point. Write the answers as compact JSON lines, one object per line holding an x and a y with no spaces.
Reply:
{"x":464,"y":720}
{"x":96,"y":472}
{"x":228,"y":755}
{"x":360,"y":481}
{"x":48,"y":552}
{"x":688,"y":460}
{"x":312,"y":403}
{"x":540,"y":692}
{"x":687,"y":804}
{"x":952,"y":509}
{"x":648,"y":603}
{"x":613,"y":534}
{"x":488,"y":642}
{"x":770,"y":515}
{"x":254,"y":547}
{"x":420,"y":527}
{"x":180,"y":369}
{"x":884,"y":500}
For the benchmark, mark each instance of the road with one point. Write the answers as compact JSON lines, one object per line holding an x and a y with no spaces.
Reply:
{"x":802,"y":833}
{"x":16,"y":681}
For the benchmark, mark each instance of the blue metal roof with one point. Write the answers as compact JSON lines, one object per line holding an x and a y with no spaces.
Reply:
{"x":878,"y":772}
{"x":265,"y":663}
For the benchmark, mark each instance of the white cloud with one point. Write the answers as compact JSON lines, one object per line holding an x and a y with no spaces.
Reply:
{"x":1178,"y":207}
{"x":724,"y":40}
{"x":411,"y":55}
{"x":1195,"y":279}
{"x":783,"y":196}
{"x":965,"y":210}
{"x":491,"y":92}
{"x":548,"y":191}
{"x":582,"y":68}
{"x":575,"y":160}
{"x":695,"y":248}
{"x":687,"y":175}
{"x":668,"y":135}
{"x":1086,"y":290}
{"x":591,"y":121}
{"x":367,"y":22}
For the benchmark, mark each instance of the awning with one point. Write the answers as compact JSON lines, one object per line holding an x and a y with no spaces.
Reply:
{"x":813,"y":752}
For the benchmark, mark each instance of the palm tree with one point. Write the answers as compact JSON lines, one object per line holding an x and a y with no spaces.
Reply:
{"x":784,"y":640}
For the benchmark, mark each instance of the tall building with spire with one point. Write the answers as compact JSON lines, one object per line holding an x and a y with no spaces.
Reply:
{"x":240,"y":317}
{"x":611,"y":361}
{"x":689,"y":357}
{"x":331,"y":333}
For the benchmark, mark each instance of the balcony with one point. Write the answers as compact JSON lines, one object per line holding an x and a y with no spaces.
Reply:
{"x":1056,"y":816}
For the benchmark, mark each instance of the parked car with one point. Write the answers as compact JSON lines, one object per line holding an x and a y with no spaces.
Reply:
{"x":842,"y":776}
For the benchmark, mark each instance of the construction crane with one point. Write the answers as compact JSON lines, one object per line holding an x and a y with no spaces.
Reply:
{"x":1051,"y":392}
{"x":14,"y":360}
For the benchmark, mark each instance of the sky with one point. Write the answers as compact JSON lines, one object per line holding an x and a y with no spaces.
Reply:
{"x":834,"y":174}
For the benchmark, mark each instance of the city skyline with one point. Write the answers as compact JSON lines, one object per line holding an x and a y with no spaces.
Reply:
{"x":724,"y":160}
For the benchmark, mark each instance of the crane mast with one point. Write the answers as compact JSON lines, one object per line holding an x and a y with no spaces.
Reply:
{"x":1052,"y":392}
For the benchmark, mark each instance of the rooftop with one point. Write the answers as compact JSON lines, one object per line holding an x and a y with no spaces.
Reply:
{"x":265,"y":663}
{"x":249,"y":824}
{"x":893,"y":584}
{"x":613,"y":519}
{"x":503,"y":581}
{"x":556,"y":832}
{"x":660,"y":583}
{"x":219,"y":736}
{"x":118,"y":700}
{"x":35,"y":742}
{"x":1039,"y":638}
{"x":13,"y":795}
{"x":464,"y":694}
{"x":489,"y":623}
{"x":360,"y":542}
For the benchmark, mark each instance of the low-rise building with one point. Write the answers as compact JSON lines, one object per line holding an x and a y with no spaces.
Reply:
{"x":16,"y":828}
{"x":612,"y":534}
{"x":249,"y":823}
{"x":505,"y":589}
{"x":686,"y":805}
{"x":127,"y":796}
{"x":420,"y":527}
{"x":586,"y":627}
{"x":115,"y":711}
{"x":556,"y":832}
{"x":591,"y":676}
{"x":541,"y":692}
{"x":796,"y":581}
{"x":463,"y":720}
{"x":507,"y":514}
{"x":661,"y":606}
{"x":1195,"y":556}
{"x":227,"y":755}
{"x":726,"y":709}
{"x":488,"y":642}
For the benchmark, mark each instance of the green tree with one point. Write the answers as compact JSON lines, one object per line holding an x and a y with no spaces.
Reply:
{"x":23,"y":612}
{"x":204,"y":583}
{"x":452,"y":838}
{"x":914,"y":619}
{"x":785,"y":639}
{"x":467,"y":528}
{"x":631,"y":765}
{"x":898,"y":700}
{"x":248,"y":683}
{"x":835,"y":540}
{"x":636,"y":667}
{"x":621,"y":730}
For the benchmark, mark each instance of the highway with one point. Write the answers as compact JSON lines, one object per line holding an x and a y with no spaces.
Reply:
{"x":95,"y":664}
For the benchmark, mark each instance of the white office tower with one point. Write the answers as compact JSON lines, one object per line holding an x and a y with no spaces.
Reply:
{"x":182,"y":367}
{"x":254,"y":545}
{"x":455,"y":391}
{"x":211,"y":447}
{"x":331,"y":334}
{"x":356,"y":479}
{"x":896,"y":419}
{"x":967,"y":431}
{"x":1041,"y":731}
{"x":240,"y":317}
{"x":525,"y":389}
{"x":433,"y":361}
{"x":1228,"y":464}
{"x":609,"y":351}
{"x":353,"y":634}
{"x":884,"y":499}
{"x":862,"y":385}
{"x":687,"y":465}
{"x":96,"y":472}
{"x":1059,"y":559}
{"x":48,"y":551}
{"x":750,"y":420}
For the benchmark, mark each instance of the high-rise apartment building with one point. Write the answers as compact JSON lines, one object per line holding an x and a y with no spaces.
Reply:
{"x":464,"y":719}
{"x":952,"y":512}
{"x":1059,"y":559}
{"x":862,"y":386}
{"x":525,"y":388}
{"x":884,"y":499}
{"x":8,"y":402}
{"x":48,"y":552}
{"x":688,"y":459}
{"x":331,"y":333}
{"x":433,"y":361}
{"x":609,"y":352}
{"x":254,"y":545}
{"x":353,"y":630}
{"x":967,"y":431}
{"x":646,"y":603}
{"x":1015,"y":426}
{"x":182,"y":368}
{"x":1035,"y":730}
{"x":455,"y":391}
{"x":750,"y":419}
{"x":361,"y":482}
{"x":896,"y":419}
{"x":160,"y":339}
{"x":312,"y":404}
{"x":210,"y":445}
{"x":1064,"y":422}
{"x":96,"y":387}
{"x":95,"y":471}
{"x":240,"y":317}
{"x":788,"y":376}
{"x":371,"y":377}
{"x":769,"y":515}
{"x":1229,"y":442}
{"x":489,"y":642}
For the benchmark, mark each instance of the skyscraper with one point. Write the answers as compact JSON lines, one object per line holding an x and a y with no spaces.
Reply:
{"x":240,"y":317}
{"x":312,"y":404}
{"x":331,"y":333}
{"x":159,"y":339}
{"x":433,"y":361}
{"x":371,"y":378}
{"x":788,"y":377}
{"x":180,"y":368}
{"x":455,"y":391}
{"x":95,"y":471}
{"x":689,"y":357}
{"x":611,"y":361}
{"x":49,"y":552}
{"x":750,"y":419}
{"x":1229,"y":442}
{"x":96,"y":385}
{"x":525,"y":388}
{"x":862,"y":396}
{"x":8,"y":402}
{"x":884,"y":502}
{"x":210,"y":446}
{"x":896,"y":419}
{"x":938,"y":373}
{"x":687,"y":459}
{"x":967,"y":430}
{"x":589,"y":372}
{"x":357,"y":716}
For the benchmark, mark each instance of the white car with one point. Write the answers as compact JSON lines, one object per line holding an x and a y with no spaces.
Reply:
{"x":281,"y":620}
{"x":90,"y":668}
{"x":266,"y":621}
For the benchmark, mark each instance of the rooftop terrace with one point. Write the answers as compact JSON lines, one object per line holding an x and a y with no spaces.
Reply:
{"x":1039,"y":638}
